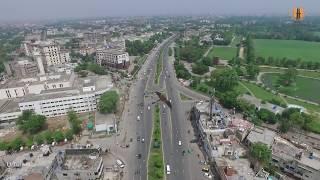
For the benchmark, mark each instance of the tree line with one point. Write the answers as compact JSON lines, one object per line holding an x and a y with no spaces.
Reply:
{"x":138,"y":47}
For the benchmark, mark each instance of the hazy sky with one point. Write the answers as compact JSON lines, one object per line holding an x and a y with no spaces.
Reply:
{"x":53,"y":9}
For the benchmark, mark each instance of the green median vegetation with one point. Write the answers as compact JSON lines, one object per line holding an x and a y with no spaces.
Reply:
{"x":159,"y":67}
{"x":155,"y":161}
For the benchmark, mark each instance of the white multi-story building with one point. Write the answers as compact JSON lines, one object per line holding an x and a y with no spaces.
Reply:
{"x":65,"y":57}
{"x":112,"y":58}
{"x":52,"y":95}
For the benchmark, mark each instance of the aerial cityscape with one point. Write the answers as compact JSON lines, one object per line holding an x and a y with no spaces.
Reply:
{"x":159,"y":91}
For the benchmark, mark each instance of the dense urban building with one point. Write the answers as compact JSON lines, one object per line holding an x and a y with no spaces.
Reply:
{"x":112,"y":58}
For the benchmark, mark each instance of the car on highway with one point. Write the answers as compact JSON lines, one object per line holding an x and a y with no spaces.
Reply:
{"x":142,"y":140}
{"x":138,"y":118}
{"x":168,"y":169}
{"x":148,"y":107}
{"x":138,"y":156}
{"x":179,"y":143}
{"x":207,"y":175}
{"x":120,"y":163}
{"x":138,"y":138}
{"x":205,"y":169}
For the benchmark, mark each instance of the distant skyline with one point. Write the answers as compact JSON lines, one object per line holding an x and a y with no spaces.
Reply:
{"x":30,"y":10}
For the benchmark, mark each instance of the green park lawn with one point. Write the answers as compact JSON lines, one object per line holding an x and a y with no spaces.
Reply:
{"x":313,"y":74}
{"x":304,"y":88}
{"x":261,"y":93}
{"x":292,"y":49}
{"x":223,"y":52}
{"x":308,"y":106}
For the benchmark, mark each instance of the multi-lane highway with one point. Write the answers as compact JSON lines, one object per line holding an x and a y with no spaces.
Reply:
{"x":182,"y":158}
{"x":174,"y":125}
{"x":138,"y":117}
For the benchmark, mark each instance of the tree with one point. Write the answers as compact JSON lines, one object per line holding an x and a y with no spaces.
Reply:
{"x":58,"y":136}
{"x":16,"y":144}
{"x":252,"y":70}
{"x":75,"y":123}
{"x":261,"y":152}
{"x":29,"y":122}
{"x":200,"y":68}
{"x":250,"y":50}
{"x":267,"y":116}
{"x":69,"y":135}
{"x":207,"y":61}
{"x":228,"y":99}
{"x":47,"y":136}
{"x":181,"y":71}
{"x":225,"y":80}
{"x":108,"y":102}
{"x":288,"y":77}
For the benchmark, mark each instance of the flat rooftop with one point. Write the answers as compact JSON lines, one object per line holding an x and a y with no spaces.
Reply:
{"x":262,"y":135}
{"x":8,"y":106}
{"x":285,"y":150}
{"x":38,"y":164}
{"x":79,"y":162}
{"x":80,"y":159}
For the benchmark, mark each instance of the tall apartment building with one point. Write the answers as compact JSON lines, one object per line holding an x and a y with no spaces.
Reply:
{"x":48,"y":50}
{"x":51,"y":53}
{"x":112,"y":58}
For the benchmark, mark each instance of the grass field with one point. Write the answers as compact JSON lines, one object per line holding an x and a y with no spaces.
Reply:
{"x":241,"y":89}
{"x":225,"y":53}
{"x":308,"y":106}
{"x":261,"y":93}
{"x":292,"y":49}
{"x":305,"y":88}
{"x":313,"y":74}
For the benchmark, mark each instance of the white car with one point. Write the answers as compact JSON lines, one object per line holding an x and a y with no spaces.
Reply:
{"x":148,"y":107}
{"x":168,"y":169}
{"x":179,"y":143}
{"x":207,"y":175}
{"x":138,"y":118}
{"x":120,"y":163}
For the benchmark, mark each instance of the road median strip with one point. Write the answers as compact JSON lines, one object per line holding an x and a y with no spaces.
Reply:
{"x":155,"y":160}
{"x":158,"y":67}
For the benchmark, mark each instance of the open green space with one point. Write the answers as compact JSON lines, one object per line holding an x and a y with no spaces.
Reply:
{"x":313,"y":74}
{"x":155,"y":161}
{"x":261,"y":93}
{"x":308,"y":106}
{"x":241,"y":89}
{"x":223,"y":52}
{"x":291,"y":49}
{"x":304,"y":88}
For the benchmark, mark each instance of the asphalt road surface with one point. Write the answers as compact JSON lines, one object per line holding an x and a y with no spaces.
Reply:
{"x":183,"y":159}
{"x":141,"y":103}
{"x":174,"y":125}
